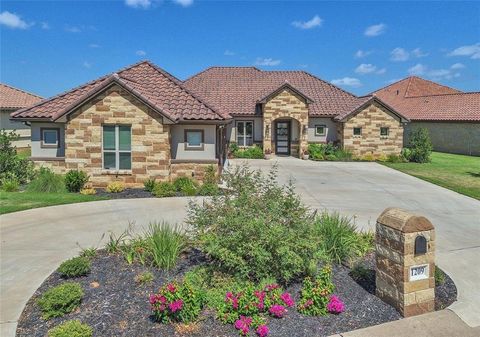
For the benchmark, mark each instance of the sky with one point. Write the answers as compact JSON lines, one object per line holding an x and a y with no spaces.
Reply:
{"x":49,"y":47}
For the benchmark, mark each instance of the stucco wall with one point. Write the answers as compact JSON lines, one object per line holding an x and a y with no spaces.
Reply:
{"x":37,"y":150}
{"x":20,"y":128}
{"x":178,"y":144}
{"x":285,"y":104}
{"x":330,"y":134}
{"x":452,"y":137}
{"x":150,"y":139}
{"x":371,"y":119}
{"x":257,"y":128}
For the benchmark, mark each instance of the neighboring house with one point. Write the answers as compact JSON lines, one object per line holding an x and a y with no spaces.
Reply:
{"x":452,"y":117}
{"x":12,"y":99}
{"x":141,"y":122}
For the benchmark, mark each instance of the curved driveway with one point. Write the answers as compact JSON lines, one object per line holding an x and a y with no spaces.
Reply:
{"x":35,"y":242}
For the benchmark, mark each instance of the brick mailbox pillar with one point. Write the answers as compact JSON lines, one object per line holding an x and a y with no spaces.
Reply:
{"x":405,"y":259}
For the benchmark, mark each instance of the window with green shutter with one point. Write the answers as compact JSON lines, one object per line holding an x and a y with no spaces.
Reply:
{"x":117,"y":147}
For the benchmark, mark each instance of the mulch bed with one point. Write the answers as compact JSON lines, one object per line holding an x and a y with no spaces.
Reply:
{"x":128,"y":193}
{"x":117,"y":306}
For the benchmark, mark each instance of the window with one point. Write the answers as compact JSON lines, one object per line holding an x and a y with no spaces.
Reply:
{"x":117,"y":147}
{"x":194,"y":140}
{"x":357,"y":131}
{"x":320,"y":130}
{"x":50,"y":137}
{"x":384,"y":132}
{"x":244,"y":133}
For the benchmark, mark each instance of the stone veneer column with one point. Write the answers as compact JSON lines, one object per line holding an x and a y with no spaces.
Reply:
{"x":285,"y":105}
{"x":405,"y":245}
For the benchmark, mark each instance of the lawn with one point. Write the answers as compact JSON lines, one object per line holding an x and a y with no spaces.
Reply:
{"x":19,"y":201}
{"x":453,"y":171}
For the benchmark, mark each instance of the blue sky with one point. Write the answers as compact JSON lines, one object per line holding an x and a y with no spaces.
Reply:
{"x":49,"y":47}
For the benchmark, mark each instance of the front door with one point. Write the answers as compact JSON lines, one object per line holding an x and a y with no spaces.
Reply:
{"x":282,"y":137}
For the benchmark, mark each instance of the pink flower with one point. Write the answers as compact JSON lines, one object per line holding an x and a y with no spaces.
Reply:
{"x":335,"y":305}
{"x":171,"y":287}
{"x":176,"y":305}
{"x":262,"y":330}
{"x":261,"y":297}
{"x":287,"y":299}
{"x":229,"y":297}
{"x":277,"y":310}
{"x":243,"y":324}
{"x":152,"y":299}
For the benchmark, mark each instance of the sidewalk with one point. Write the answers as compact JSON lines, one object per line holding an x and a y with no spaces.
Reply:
{"x":444,"y":323}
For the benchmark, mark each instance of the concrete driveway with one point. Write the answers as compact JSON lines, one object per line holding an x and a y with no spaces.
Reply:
{"x":364,"y":190}
{"x":35,"y":242}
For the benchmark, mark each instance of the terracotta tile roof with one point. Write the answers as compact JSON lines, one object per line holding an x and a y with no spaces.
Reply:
{"x":154,"y":86}
{"x":419,"y":99}
{"x":236,"y":90}
{"x":13,"y":98}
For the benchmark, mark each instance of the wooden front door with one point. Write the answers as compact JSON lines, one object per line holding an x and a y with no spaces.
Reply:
{"x":282,"y":137}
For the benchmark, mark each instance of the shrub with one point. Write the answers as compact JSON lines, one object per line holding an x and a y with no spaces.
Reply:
{"x":339,"y":239}
{"x":208,"y":189}
{"x":89,"y":253}
{"x":145,"y":277}
{"x":185,"y":185}
{"x":149,"y":185}
{"x":73,"y":328}
{"x":406,"y":154}
{"x":257,"y":229}
{"x":115,"y":187}
{"x":60,"y":300}
{"x":248,"y":307}
{"x":164,"y":189}
{"x":439,"y":276}
{"x":420,"y":146}
{"x":75,"y":180}
{"x":331,"y":157}
{"x":210,"y":175}
{"x":394,"y":158}
{"x":47,"y":182}
{"x":252,"y":152}
{"x":88,"y":191}
{"x":165,"y":243}
{"x":74,"y":267}
{"x":315,"y":294}
{"x":328,"y":152}
{"x":10,"y":184}
{"x":11,"y":165}
{"x":177,"y":303}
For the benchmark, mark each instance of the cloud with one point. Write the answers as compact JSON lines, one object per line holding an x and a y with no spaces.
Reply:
{"x":457,"y":66}
{"x":73,"y":29}
{"x":365,"y":68}
{"x":471,"y":50}
{"x":267,"y":62}
{"x":87,"y":64}
{"x":138,"y":3}
{"x":437,"y":74}
{"x":418,"y":69}
{"x":417,"y":52}
{"x":381,"y":71}
{"x":399,"y":55}
{"x":348,"y":81}
{"x":12,"y":20}
{"x":183,"y":3}
{"x":44,"y":25}
{"x":316,"y":21}
{"x":362,"y":53}
{"x":141,"y":53}
{"x":93,"y":45}
{"x":375,"y":30}
{"x":228,"y":53}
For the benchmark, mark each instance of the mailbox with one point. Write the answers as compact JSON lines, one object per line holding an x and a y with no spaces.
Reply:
{"x":405,"y":261}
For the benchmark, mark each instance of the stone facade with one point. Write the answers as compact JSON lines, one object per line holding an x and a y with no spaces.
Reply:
{"x":150,"y":139}
{"x":370,"y":142}
{"x":57,"y":166}
{"x":195,"y":170}
{"x":285,"y":105}
{"x":396,"y":232}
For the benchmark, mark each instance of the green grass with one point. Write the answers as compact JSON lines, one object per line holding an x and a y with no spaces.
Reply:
{"x":453,"y":171}
{"x":24,"y":153}
{"x":19,"y":201}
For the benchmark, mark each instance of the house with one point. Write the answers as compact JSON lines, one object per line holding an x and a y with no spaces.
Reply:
{"x":141,"y":122}
{"x":452,"y":117}
{"x":12,"y":99}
